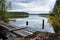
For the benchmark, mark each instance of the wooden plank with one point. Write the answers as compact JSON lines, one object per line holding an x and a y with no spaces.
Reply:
{"x":5,"y":27}
{"x":18,"y":29}
{"x":20,"y":33}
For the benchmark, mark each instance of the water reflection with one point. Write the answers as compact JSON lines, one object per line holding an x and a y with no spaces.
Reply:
{"x":34,"y":21}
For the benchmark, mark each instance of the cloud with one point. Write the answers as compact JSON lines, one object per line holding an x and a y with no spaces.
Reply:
{"x":32,"y":6}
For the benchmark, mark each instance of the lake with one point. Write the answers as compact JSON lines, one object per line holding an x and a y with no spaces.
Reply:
{"x":34,"y":22}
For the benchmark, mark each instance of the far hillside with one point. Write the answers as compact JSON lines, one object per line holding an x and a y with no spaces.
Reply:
{"x":44,"y":14}
{"x":18,"y":14}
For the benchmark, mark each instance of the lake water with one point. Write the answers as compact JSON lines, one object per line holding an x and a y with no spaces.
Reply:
{"x":35,"y":22}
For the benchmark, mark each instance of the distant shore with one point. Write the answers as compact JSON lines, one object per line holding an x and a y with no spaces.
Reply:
{"x":18,"y":14}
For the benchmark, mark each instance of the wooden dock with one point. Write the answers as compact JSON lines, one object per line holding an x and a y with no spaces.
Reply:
{"x":24,"y":31}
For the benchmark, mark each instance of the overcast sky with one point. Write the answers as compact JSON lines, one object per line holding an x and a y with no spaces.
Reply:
{"x":32,"y":6}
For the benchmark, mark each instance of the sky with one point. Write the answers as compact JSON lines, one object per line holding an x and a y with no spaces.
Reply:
{"x":32,"y":6}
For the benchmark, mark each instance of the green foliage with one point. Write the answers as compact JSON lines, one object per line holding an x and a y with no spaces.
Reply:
{"x":55,"y":18}
{"x":4,"y":16}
